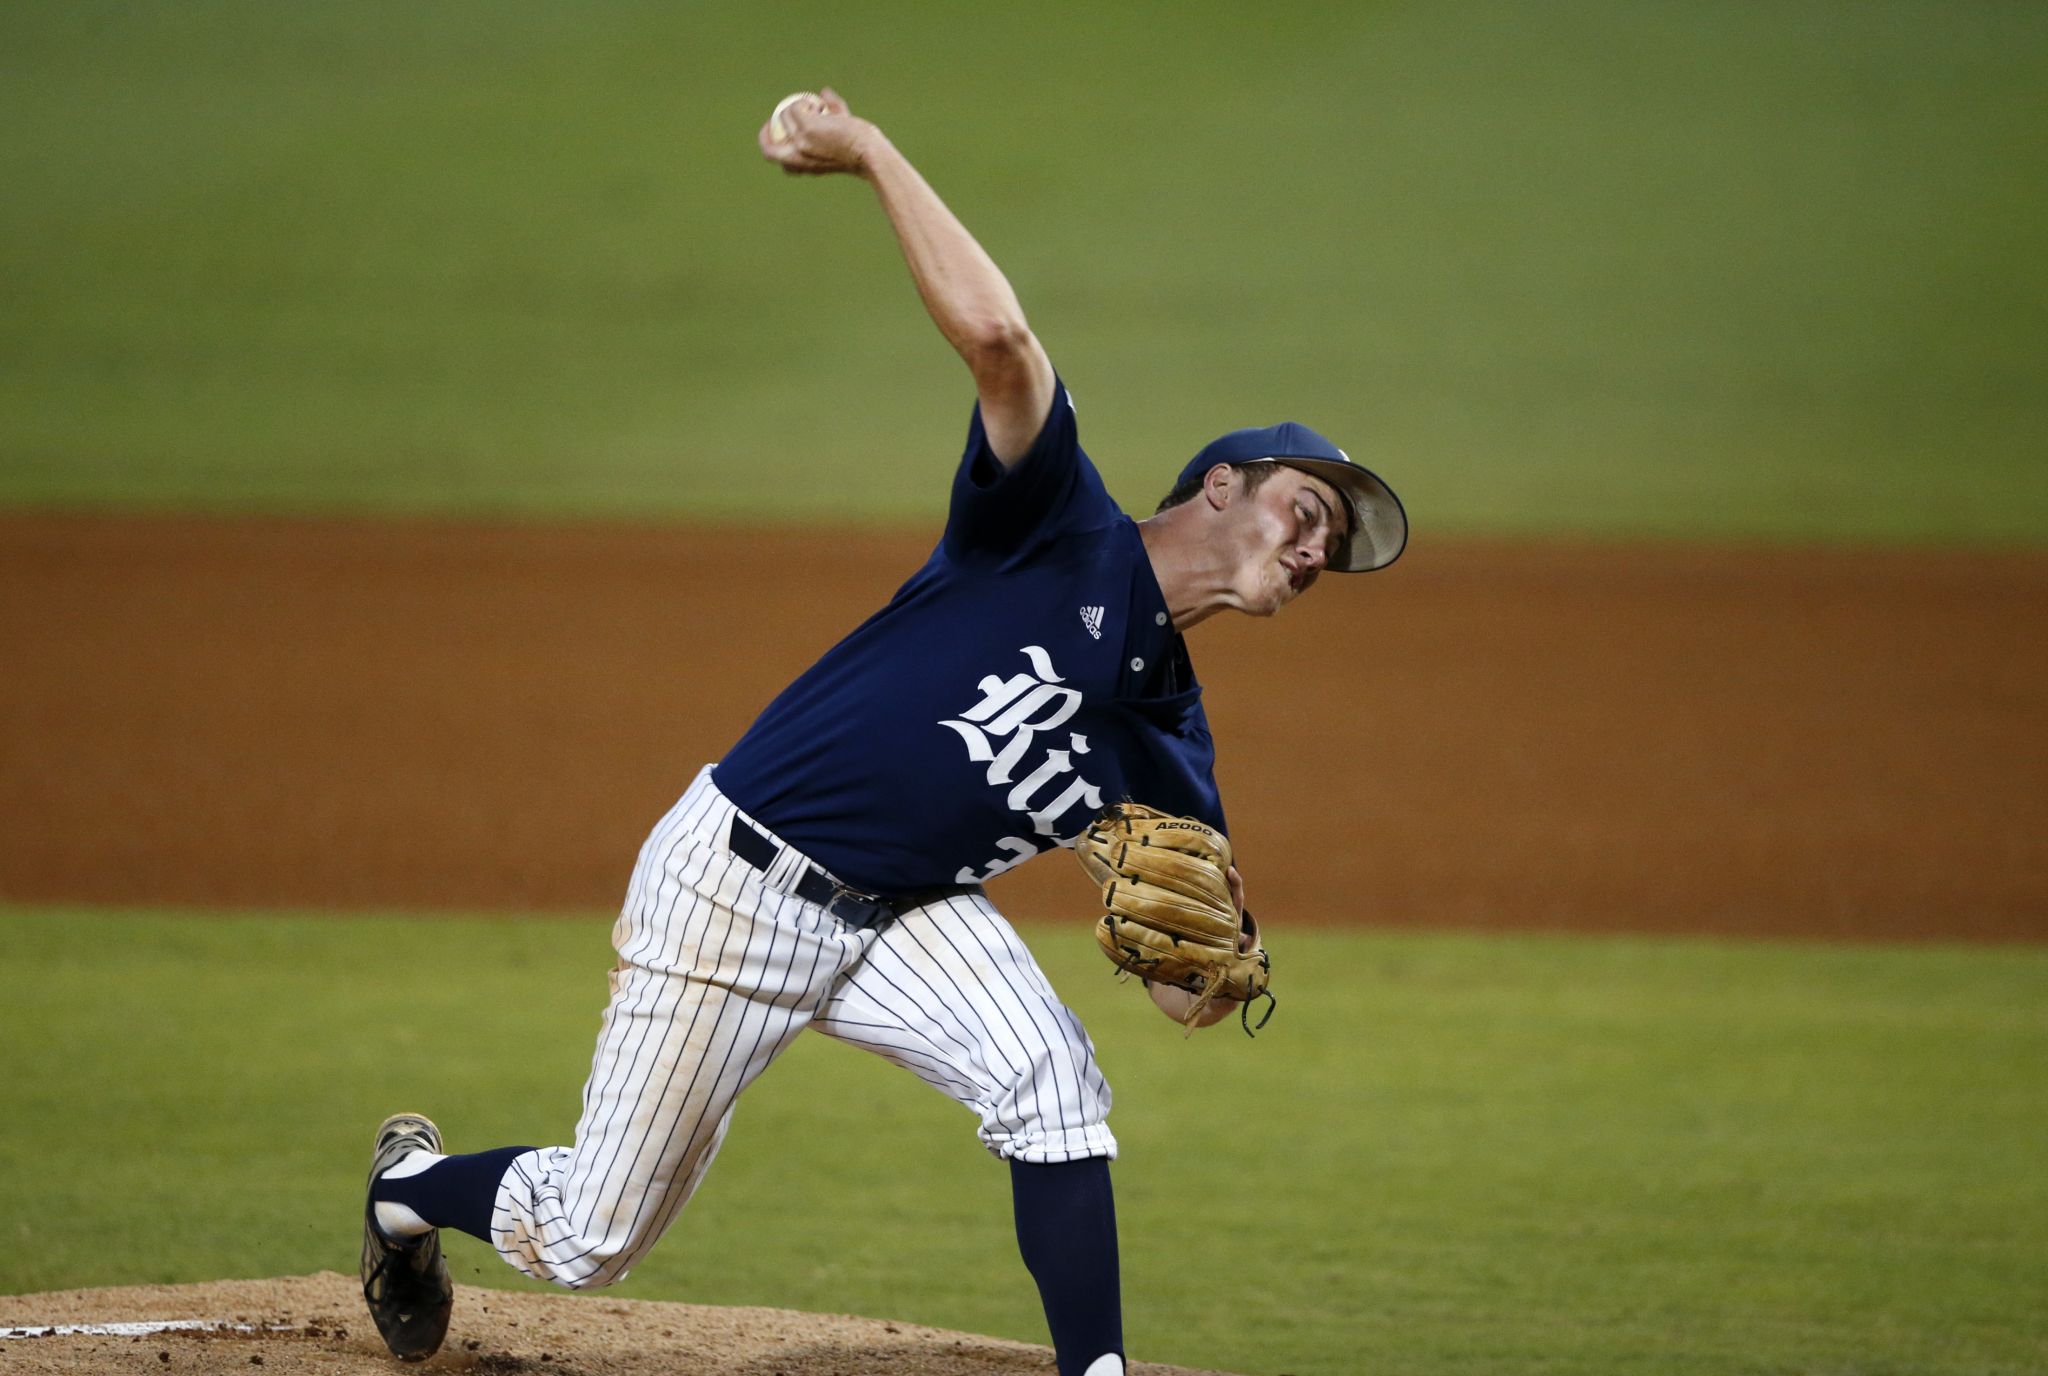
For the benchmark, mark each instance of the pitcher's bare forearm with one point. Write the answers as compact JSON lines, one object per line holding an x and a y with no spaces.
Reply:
{"x":968,"y":298}
{"x":965,"y":293}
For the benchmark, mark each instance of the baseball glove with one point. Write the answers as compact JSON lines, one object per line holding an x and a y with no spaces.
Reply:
{"x":1170,"y":917}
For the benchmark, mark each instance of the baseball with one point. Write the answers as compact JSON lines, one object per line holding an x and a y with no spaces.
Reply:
{"x":777,"y":130}
{"x":1175,"y":1004}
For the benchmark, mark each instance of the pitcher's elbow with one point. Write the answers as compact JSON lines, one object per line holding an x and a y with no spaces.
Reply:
{"x":996,"y":343}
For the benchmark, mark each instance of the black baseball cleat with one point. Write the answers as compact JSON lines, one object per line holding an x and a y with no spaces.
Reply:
{"x":405,"y":1282}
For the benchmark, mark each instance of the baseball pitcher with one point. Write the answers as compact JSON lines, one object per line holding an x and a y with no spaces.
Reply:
{"x":1027,"y":689}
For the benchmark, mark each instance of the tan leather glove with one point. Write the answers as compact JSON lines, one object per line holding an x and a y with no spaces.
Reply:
{"x":1169,"y":915}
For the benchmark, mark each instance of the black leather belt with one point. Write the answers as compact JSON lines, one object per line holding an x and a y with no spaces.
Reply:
{"x":851,"y":906}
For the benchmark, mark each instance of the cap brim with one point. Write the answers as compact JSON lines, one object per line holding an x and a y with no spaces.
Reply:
{"x":1379,"y":523}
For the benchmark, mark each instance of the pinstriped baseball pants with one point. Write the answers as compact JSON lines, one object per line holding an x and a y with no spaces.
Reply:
{"x":718,"y":971}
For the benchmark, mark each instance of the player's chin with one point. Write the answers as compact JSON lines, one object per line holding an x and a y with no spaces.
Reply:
{"x":1283,"y":591}
{"x":1265,"y":593}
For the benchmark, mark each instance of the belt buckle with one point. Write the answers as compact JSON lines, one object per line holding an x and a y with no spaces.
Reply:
{"x":867,"y":901}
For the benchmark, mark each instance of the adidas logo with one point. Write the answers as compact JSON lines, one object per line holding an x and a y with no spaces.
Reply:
{"x":1091,"y":617}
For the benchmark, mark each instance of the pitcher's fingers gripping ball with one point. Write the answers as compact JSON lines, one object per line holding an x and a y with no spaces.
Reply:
{"x":1169,"y":916}
{"x":778,"y":132}
{"x":809,"y":134}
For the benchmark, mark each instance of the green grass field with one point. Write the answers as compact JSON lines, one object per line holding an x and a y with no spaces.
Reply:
{"x":1506,"y":1155}
{"x":1622,"y":267}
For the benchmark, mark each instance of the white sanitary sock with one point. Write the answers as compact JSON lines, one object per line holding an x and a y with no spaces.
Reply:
{"x":1108,"y":1364}
{"x":397,"y":1221}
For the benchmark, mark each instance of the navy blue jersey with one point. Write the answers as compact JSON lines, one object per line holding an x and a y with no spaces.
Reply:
{"x":1024,"y":679}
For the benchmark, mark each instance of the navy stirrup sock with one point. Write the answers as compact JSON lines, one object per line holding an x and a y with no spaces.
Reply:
{"x":1066,"y":1229}
{"x":454,"y":1192}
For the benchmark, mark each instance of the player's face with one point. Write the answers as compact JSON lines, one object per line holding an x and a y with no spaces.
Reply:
{"x":1294,"y":524}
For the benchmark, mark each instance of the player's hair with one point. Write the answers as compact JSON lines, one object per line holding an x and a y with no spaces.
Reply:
{"x":1255,"y":475}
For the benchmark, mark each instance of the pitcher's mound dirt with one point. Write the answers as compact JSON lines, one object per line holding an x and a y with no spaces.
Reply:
{"x":316,"y":1323}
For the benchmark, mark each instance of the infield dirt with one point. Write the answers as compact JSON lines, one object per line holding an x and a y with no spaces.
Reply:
{"x":1763,"y":741}
{"x":316,"y":1324}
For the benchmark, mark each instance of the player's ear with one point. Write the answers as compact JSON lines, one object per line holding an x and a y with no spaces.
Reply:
{"x":1219,"y":485}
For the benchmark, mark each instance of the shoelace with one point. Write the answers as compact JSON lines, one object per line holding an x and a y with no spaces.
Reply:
{"x":392,"y":1252}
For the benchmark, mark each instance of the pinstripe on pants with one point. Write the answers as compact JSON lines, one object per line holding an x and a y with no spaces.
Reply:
{"x":718,"y":971}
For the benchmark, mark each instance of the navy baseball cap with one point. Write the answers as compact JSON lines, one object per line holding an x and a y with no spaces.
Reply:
{"x":1379,"y":526}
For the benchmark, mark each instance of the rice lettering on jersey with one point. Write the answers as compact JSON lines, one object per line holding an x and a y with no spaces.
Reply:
{"x":1015,"y":711}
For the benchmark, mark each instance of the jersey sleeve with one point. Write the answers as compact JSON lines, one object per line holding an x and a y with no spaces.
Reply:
{"x":998,"y":513}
